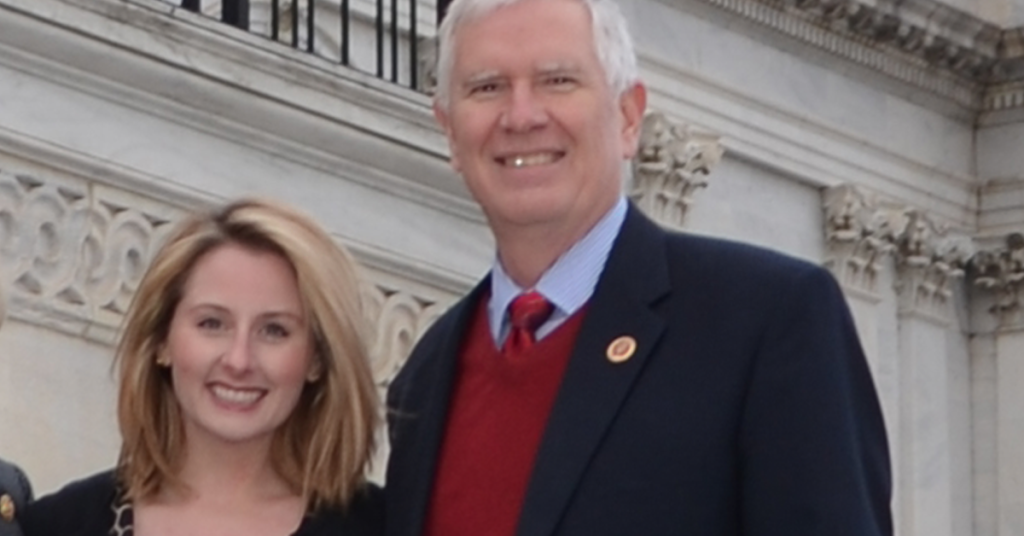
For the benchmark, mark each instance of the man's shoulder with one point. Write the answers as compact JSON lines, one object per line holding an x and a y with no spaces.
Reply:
{"x":81,"y":504}
{"x":14,"y":482}
{"x":729,"y":257}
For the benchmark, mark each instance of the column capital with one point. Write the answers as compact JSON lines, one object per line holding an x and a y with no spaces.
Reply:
{"x":999,"y":270}
{"x":673,"y":161}
{"x":864,"y":230}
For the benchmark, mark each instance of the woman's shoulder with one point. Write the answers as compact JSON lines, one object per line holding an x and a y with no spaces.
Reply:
{"x":83,"y":507}
{"x":364,"y":516}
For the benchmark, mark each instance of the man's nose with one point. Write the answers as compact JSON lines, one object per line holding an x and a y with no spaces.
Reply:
{"x":525,"y":109}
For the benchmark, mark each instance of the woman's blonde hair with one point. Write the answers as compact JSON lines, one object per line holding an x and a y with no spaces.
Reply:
{"x":323,"y":447}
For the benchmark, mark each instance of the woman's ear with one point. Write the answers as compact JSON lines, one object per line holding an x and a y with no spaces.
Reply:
{"x":316,"y":369}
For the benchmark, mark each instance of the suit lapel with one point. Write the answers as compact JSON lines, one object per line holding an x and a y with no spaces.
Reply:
{"x":594,"y":388}
{"x":429,"y":390}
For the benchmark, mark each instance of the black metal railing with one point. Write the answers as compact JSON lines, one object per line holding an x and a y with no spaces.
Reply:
{"x":394,"y":45}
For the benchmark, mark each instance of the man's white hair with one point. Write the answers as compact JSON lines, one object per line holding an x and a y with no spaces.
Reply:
{"x":612,"y":42}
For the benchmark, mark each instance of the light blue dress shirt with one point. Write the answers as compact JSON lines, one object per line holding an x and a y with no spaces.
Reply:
{"x":567,"y":284}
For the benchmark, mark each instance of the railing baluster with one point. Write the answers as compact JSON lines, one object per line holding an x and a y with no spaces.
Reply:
{"x":390,"y":50}
{"x":380,"y":38}
{"x":275,"y":18}
{"x":394,"y":40}
{"x":442,"y":8}
{"x":413,"y":42}
{"x":235,"y":13}
{"x":310,"y":28}
{"x":295,"y":23}
{"x":344,"y":32}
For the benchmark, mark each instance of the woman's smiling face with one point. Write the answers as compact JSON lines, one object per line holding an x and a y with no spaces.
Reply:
{"x":239,"y":346}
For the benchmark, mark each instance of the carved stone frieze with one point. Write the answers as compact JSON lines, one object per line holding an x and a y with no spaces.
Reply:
{"x":71,"y":257}
{"x":672,"y":163}
{"x":1001,"y":271}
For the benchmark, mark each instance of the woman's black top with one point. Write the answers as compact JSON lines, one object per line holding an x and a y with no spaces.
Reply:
{"x":94,"y":507}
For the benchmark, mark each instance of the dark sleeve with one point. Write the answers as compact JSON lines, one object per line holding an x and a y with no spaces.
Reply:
{"x":23,"y":483}
{"x":82,"y":508}
{"x":814,"y":452}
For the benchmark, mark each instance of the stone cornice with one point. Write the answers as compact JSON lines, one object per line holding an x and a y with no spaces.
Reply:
{"x":924,"y":43}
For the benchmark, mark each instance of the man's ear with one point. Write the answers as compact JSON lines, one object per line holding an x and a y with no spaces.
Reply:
{"x":441,"y":115}
{"x":632,"y":105}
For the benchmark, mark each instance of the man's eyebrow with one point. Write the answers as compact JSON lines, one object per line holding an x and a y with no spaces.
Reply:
{"x":557,"y":67}
{"x":480,"y":76}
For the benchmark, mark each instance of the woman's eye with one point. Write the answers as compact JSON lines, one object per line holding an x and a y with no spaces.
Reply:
{"x":275,"y":331}
{"x":210,"y":323}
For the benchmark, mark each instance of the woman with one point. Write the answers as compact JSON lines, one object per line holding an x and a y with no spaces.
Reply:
{"x":246,"y":404}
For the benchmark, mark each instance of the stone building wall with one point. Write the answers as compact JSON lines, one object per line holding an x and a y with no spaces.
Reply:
{"x":881,"y":140}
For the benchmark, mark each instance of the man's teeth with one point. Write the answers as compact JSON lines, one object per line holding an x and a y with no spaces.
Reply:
{"x":537,"y":159}
{"x":236,"y":396}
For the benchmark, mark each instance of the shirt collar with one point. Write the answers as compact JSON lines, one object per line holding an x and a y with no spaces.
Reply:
{"x":569,"y":282}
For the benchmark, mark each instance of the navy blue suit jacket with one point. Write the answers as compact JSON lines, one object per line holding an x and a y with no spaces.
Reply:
{"x":748,"y":408}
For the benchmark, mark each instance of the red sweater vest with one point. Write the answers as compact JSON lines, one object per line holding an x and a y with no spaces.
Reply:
{"x":496,"y":417}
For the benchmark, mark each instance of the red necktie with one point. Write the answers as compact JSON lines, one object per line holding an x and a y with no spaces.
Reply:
{"x":526,"y":313}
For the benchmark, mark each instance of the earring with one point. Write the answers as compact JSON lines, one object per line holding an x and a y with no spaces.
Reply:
{"x":162,"y":359}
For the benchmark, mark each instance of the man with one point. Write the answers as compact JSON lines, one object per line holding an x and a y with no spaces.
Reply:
{"x":15,"y":492}
{"x":14,"y":487}
{"x":608,"y":377}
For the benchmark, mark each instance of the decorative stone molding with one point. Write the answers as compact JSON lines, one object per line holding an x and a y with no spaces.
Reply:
{"x":72,"y":254}
{"x":672,"y":163}
{"x":925,"y":43}
{"x":859,"y":235}
{"x":940,"y":35}
{"x":1001,"y":271}
{"x":862,"y":231}
{"x":400,"y":318}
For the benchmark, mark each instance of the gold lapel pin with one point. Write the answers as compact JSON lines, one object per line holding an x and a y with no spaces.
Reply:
{"x":621,"y":349}
{"x":6,"y":507}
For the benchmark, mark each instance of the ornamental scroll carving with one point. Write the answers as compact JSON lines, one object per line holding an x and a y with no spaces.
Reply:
{"x":1001,"y":270}
{"x":863,"y":231}
{"x":672,"y":163}
{"x":72,"y":256}
{"x":400,"y":318}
